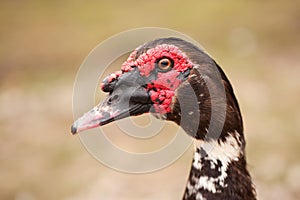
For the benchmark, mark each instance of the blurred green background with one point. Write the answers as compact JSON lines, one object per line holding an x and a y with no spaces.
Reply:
{"x":42,"y":44}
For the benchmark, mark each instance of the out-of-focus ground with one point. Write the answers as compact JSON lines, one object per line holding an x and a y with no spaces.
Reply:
{"x":42,"y":44}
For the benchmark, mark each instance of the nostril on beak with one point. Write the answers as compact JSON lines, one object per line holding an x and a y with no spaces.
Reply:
{"x":112,"y":99}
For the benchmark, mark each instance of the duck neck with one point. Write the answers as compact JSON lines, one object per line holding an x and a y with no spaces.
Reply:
{"x":209,"y":112}
{"x":219,"y":171}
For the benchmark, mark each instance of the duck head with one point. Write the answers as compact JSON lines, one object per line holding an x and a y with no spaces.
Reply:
{"x":161,"y":77}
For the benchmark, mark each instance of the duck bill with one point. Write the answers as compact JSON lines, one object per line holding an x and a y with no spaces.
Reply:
{"x":97,"y":116}
{"x":118,"y":105}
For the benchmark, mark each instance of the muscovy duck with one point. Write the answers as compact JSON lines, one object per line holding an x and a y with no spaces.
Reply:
{"x":161,"y":77}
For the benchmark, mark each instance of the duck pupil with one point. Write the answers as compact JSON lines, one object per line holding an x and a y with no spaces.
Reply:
{"x":164,"y":63}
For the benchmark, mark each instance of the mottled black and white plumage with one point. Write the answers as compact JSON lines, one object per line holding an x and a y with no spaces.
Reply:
{"x":166,"y":72}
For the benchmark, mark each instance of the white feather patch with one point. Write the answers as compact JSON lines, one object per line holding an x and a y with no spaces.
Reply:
{"x":225,"y":152}
{"x":200,"y":197}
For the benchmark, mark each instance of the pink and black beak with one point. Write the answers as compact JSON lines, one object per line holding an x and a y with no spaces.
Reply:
{"x":127,"y":96}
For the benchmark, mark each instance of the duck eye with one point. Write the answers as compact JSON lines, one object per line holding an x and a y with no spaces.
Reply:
{"x":165,"y":64}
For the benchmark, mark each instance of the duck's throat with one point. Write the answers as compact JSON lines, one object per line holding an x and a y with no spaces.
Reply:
{"x":219,"y":171}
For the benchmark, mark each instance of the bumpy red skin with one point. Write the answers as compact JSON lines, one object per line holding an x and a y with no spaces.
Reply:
{"x":163,"y":88}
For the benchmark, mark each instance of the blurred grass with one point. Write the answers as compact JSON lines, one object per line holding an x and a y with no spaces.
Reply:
{"x":44,"y":42}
